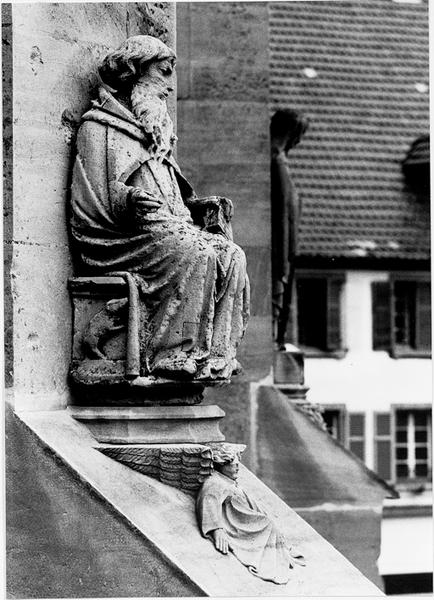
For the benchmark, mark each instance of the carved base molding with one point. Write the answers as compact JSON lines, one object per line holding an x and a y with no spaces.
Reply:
{"x":102,"y":382}
{"x":151,"y":425}
{"x":294,"y":391}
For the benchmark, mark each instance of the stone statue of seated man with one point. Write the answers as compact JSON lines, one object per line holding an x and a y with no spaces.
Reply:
{"x":235,"y":522}
{"x":133,"y":211}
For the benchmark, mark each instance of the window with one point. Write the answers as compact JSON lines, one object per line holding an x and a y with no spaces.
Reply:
{"x":334,"y":418}
{"x":412,"y":444}
{"x":402,"y":316}
{"x":347,"y":428}
{"x":403,"y":445}
{"x":318,"y":328}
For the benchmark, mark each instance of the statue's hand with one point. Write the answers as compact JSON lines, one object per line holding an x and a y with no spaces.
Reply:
{"x":225,"y":203}
{"x":143,"y":201}
{"x":221,"y":541}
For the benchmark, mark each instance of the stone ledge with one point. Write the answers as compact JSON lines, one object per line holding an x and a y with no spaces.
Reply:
{"x":165,"y":516}
{"x":151,"y":424}
{"x":90,"y":413}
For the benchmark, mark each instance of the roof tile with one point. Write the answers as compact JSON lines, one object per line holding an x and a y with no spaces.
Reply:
{"x":367,"y":102}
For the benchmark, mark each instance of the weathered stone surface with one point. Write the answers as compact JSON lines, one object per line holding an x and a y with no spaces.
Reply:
{"x":232,"y":64}
{"x":132,"y":211}
{"x":55,"y":49}
{"x":103,"y":382}
{"x":223,"y":126}
{"x":152,"y":425}
{"x":99,"y":309}
{"x":6,"y":17}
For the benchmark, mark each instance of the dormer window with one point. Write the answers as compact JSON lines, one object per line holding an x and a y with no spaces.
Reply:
{"x":416,"y":166}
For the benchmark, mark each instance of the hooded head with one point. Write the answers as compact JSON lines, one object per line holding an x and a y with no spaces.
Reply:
{"x":123,"y":67}
{"x":140,"y":72}
{"x":287,"y":127}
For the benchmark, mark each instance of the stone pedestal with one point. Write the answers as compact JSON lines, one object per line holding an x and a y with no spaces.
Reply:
{"x":289,"y":366}
{"x":102,"y":388}
{"x":151,"y":425}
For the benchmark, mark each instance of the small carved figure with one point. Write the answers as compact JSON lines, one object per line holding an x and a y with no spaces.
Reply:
{"x":286,"y":130}
{"x":104,"y":324}
{"x":235,"y":522}
{"x":133,"y":211}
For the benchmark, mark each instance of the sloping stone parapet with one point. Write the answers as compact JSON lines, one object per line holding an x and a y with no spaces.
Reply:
{"x":151,"y":425}
{"x":165,"y":516}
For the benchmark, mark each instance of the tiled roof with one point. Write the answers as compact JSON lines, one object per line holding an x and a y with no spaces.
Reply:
{"x":359,"y":71}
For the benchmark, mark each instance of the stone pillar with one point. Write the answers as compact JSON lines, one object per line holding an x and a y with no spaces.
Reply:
{"x":223,"y":148}
{"x":55,"y":50}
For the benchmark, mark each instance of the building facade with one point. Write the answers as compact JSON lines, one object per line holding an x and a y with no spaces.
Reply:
{"x":362,"y":307}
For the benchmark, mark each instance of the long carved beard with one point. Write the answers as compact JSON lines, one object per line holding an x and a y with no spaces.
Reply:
{"x":152,"y":113}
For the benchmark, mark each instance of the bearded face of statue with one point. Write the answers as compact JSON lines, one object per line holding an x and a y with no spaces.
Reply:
{"x":148,"y":104}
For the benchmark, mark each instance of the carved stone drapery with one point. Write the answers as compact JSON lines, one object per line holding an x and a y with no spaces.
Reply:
{"x":134,"y":215}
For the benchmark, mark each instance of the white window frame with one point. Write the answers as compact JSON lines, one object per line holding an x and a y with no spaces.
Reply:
{"x":412,"y":409}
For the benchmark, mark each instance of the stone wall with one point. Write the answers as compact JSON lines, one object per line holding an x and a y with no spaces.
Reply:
{"x":223,"y":149}
{"x":6,"y":10}
{"x":62,"y":541}
{"x":55,"y":50}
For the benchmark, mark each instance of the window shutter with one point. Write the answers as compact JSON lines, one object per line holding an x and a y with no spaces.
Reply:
{"x":356,"y":437}
{"x":291,"y":329}
{"x":383,"y":445}
{"x":334,"y":336}
{"x":423,"y":316}
{"x":381,"y":315}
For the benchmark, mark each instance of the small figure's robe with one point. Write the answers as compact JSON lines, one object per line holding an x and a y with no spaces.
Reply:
{"x":253,"y":537}
{"x":193,"y":283}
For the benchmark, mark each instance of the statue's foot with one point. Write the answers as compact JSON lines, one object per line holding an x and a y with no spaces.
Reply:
{"x":169,"y":367}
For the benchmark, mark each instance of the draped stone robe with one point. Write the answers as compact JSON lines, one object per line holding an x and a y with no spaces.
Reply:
{"x":193,"y":283}
{"x":253,"y":537}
